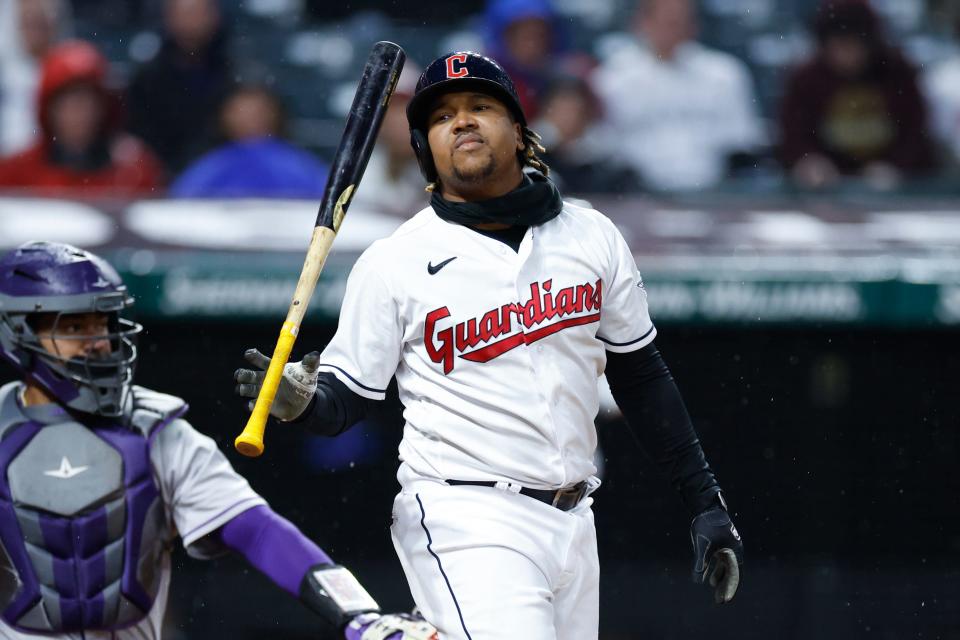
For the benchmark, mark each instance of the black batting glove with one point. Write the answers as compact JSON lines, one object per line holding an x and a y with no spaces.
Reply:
{"x":717,"y":552}
{"x":297,"y":386}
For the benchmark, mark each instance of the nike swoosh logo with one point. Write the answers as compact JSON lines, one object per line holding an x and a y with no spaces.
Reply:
{"x":433,"y":269}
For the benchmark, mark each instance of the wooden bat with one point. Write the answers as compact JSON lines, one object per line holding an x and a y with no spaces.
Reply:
{"x":379,"y":79}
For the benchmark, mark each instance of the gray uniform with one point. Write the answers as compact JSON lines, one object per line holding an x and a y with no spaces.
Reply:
{"x":89,"y":511}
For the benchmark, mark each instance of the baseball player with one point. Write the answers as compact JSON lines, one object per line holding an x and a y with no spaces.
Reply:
{"x":97,"y":476}
{"x":497,"y":308}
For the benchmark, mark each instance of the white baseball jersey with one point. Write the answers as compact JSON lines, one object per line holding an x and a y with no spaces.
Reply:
{"x":201,"y":492}
{"x":678,"y":120}
{"x":496,"y":352}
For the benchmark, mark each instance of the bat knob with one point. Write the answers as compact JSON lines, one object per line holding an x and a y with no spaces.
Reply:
{"x":248,"y":445}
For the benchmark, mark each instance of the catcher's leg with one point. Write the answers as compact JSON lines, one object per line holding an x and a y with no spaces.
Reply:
{"x":468,"y":592}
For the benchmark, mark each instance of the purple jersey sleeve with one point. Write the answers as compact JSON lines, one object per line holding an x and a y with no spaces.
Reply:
{"x":274,"y":546}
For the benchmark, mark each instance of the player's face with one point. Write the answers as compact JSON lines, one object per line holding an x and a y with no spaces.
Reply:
{"x":250,"y":115}
{"x":846,"y":55}
{"x":668,"y":23}
{"x":37,"y":26}
{"x":76,"y":113}
{"x":74,"y":335}
{"x":530,"y":42}
{"x":192,"y":23}
{"x":474,"y":140}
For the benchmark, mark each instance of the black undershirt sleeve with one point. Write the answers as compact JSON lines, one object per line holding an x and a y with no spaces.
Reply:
{"x":335,"y":408}
{"x":647,"y":395}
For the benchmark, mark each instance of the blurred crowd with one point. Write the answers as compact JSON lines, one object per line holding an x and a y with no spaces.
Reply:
{"x":169,"y":98}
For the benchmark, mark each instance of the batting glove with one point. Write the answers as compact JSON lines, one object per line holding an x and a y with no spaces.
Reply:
{"x":717,"y":553}
{"x":297,"y":386}
{"x":392,"y":626}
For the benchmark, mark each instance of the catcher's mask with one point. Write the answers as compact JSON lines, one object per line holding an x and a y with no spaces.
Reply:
{"x":46,"y":284}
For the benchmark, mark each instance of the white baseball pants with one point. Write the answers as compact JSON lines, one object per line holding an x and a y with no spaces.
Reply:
{"x":487,"y":564}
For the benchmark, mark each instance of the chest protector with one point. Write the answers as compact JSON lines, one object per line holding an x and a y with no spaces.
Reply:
{"x":82,"y":521}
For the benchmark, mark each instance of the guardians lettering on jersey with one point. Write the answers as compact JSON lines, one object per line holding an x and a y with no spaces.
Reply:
{"x":498,"y":323}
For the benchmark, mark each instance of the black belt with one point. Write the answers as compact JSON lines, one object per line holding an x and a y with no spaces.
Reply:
{"x":563,"y":499}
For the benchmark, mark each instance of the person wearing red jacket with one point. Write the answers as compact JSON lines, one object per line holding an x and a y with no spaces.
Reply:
{"x":854,"y":109}
{"x":81,"y":148}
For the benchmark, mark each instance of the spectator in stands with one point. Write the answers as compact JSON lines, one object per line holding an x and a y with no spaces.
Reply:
{"x":173,"y":99}
{"x":81,"y":148}
{"x":255,"y":161}
{"x":527,"y":38}
{"x":115,"y":14}
{"x":28,"y":30}
{"x":681,"y":110}
{"x":392,"y":181}
{"x":577,"y":141}
{"x":942,"y":84}
{"x":854,"y":109}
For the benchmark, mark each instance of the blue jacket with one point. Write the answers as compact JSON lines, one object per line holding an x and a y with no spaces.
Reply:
{"x":261,"y":168}
{"x":500,"y":14}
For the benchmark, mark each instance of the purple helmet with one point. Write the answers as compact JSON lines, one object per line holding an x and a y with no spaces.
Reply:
{"x":59,"y":279}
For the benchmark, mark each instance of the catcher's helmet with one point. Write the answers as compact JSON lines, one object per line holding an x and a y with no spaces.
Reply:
{"x":58,"y":279}
{"x":456,"y":71}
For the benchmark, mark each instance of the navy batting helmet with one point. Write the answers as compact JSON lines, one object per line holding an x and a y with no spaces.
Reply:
{"x":59,"y":279}
{"x":456,"y":71}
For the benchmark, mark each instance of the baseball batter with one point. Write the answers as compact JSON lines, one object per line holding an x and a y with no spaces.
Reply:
{"x":97,"y":476}
{"x":497,"y":308}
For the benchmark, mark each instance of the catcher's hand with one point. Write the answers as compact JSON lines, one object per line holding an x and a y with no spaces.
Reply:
{"x":297,"y":386}
{"x":717,"y":553}
{"x":391,"y":626}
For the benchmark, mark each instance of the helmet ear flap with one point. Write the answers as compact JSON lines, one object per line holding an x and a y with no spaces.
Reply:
{"x":421,"y":148}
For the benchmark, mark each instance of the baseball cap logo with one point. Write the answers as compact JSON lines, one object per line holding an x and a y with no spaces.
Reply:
{"x":457,"y":66}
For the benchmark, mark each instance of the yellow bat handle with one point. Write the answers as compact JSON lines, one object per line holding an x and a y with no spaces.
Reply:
{"x":250,"y":441}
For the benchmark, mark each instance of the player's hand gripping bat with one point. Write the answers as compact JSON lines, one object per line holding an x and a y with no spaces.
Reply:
{"x":379,"y":79}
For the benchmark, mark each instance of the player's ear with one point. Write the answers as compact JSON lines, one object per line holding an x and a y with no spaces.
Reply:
{"x":518,"y":132}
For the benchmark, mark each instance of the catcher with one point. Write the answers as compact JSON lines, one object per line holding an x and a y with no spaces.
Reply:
{"x":98,"y":476}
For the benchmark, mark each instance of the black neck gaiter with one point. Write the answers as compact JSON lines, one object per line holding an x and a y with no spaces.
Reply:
{"x":535,"y":201}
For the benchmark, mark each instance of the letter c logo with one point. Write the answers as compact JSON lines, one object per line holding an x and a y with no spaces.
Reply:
{"x":456,"y":66}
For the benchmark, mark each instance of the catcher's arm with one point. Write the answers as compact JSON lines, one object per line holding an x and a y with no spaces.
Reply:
{"x":275,"y":547}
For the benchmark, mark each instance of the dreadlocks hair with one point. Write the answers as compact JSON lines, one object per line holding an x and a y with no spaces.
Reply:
{"x":532,"y":145}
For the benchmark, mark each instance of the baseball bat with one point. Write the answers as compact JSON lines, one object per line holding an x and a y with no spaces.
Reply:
{"x":370,"y":102}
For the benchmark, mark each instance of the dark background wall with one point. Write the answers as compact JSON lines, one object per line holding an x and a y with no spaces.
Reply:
{"x":837,"y":449}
